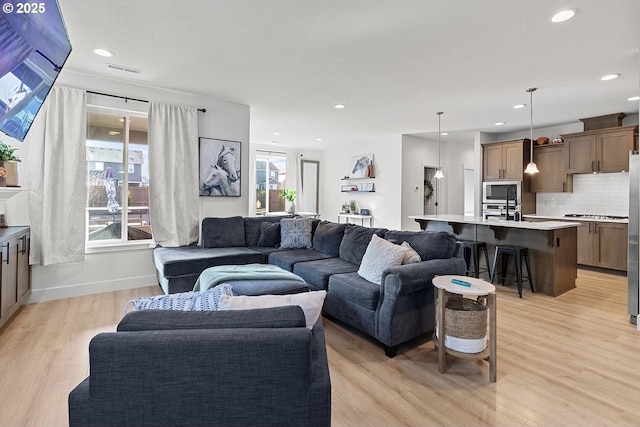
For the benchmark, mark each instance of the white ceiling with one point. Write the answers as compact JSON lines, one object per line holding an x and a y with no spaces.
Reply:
{"x":393,"y":63}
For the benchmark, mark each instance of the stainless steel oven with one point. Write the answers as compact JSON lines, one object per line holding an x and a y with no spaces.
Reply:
{"x":495,"y":193}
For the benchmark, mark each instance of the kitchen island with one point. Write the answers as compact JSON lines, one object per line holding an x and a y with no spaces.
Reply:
{"x":552,"y":244}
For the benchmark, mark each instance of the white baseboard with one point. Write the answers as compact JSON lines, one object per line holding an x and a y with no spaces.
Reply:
{"x":60,"y":292}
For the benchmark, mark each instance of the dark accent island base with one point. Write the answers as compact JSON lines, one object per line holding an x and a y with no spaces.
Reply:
{"x":552,"y":245}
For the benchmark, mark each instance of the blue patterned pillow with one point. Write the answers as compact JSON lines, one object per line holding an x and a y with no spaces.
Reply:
{"x":186,"y":301}
{"x":295,"y":233}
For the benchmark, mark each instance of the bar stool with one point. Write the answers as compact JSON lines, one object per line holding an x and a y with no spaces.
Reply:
{"x":516,"y":252}
{"x":471,"y":255}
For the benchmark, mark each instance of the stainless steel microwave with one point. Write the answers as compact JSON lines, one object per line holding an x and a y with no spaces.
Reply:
{"x":496,"y":192}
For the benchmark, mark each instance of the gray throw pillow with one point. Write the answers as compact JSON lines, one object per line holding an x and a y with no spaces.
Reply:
{"x":269,"y":234}
{"x":295,"y":233}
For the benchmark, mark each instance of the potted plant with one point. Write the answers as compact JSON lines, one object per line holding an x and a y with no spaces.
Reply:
{"x":290,"y":196}
{"x":9,"y":165}
{"x":352,"y":207}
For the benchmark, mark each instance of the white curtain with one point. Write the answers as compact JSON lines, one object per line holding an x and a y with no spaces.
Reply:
{"x":173,"y":174}
{"x":57,"y":183}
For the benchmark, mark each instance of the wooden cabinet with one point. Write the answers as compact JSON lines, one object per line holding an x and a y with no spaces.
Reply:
{"x":603,"y":244}
{"x":601,"y":150}
{"x":505,"y":160}
{"x":15,"y":273}
{"x":552,"y":177}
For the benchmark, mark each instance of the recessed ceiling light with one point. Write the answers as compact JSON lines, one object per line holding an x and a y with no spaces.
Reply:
{"x":610,"y":77}
{"x":564,"y":15}
{"x":518,"y":106}
{"x":634,"y":98}
{"x":103,"y":52}
{"x":499,"y":123}
{"x":318,"y":139}
{"x":339,"y":106}
{"x":276,"y":133}
{"x":444,"y":133}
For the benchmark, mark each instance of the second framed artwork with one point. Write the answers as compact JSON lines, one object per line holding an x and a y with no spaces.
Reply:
{"x":219,"y":167}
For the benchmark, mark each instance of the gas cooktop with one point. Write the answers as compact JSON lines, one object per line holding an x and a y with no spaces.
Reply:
{"x":595,"y":216}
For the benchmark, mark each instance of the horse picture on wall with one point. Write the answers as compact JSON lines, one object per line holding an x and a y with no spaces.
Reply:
{"x":219,"y":167}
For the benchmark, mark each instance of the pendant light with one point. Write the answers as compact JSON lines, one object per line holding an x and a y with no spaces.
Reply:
{"x":531,"y":167}
{"x":439,"y":173}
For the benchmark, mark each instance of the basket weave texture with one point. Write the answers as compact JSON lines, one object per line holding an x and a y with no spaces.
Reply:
{"x":465,"y":318}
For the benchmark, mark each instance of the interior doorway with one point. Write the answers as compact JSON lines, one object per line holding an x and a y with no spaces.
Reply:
{"x":468,"y":179}
{"x":430,"y":200}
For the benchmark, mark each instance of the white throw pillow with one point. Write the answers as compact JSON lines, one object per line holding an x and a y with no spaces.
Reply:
{"x":380,"y":255}
{"x":411,"y":256}
{"x":310,"y":302}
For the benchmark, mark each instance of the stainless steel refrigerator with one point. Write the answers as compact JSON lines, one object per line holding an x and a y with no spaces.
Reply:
{"x":633,"y":274}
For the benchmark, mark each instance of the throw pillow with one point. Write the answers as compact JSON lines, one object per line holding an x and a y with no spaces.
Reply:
{"x":295,"y":233}
{"x":269,"y":234}
{"x":380,"y":255}
{"x":310,"y":302}
{"x":411,"y":256}
{"x":185,"y":301}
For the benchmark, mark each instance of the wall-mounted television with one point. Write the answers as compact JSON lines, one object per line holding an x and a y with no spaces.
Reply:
{"x":34,"y":46}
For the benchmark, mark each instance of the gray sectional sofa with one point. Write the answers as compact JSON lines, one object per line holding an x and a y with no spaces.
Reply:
{"x":260,"y":367}
{"x":397,"y":310}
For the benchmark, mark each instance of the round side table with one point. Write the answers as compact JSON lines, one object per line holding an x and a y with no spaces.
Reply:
{"x":478,"y":287}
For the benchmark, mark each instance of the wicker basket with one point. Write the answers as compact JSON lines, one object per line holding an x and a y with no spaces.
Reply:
{"x":466,"y":325}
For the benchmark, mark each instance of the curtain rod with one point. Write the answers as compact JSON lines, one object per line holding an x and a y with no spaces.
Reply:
{"x":270,"y":152}
{"x":126,"y":98}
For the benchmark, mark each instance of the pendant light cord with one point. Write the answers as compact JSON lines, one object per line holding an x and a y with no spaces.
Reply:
{"x":531,"y":90}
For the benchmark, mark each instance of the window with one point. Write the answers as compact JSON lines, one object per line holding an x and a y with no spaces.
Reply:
{"x":117,"y":177}
{"x":271,"y":177}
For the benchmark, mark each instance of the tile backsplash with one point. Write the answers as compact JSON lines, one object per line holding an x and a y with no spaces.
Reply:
{"x":593,"y":194}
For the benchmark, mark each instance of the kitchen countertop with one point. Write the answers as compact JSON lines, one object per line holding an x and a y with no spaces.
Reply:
{"x":575,"y":219}
{"x":478,"y":220}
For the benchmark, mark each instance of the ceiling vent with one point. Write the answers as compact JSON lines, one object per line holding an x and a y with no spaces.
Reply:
{"x":123,"y":68}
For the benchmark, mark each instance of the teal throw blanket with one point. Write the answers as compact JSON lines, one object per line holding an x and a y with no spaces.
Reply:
{"x":213,"y":276}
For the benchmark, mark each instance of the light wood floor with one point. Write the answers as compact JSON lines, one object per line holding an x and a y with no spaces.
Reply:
{"x":565,"y":361}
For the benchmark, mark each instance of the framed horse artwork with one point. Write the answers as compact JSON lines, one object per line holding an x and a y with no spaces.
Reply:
{"x":219,"y":167}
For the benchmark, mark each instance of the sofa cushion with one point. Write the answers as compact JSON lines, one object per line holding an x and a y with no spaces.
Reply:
{"x":317,"y":273}
{"x":355,"y":241}
{"x":252,"y":227}
{"x":353,"y":288}
{"x":186,"y":301}
{"x":327,"y":237}
{"x":189,"y":260}
{"x":153,"y":320}
{"x":411,"y":256}
{"x":310,"y":302}
{"x":429,"y":244}
{"x":380,"y":255}
{"x":223,"y":232}
{"x":295,"y":233}
{"x":269,"y":234}
{"x":287,"y":259}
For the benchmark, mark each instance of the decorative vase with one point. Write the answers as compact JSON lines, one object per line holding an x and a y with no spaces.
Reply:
{"x":292,"y":208}
{"x":11,"y":166}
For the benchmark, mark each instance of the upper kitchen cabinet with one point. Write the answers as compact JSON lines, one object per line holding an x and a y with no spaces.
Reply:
{"x":552,"y":177}
{"x":505,"y":160}
{"x":600,"y":150}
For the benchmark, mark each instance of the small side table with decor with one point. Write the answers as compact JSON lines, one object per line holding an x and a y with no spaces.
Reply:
{"x":466,"y":320}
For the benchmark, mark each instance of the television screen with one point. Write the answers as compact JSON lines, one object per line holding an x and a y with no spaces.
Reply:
{"x":33,"y":48}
